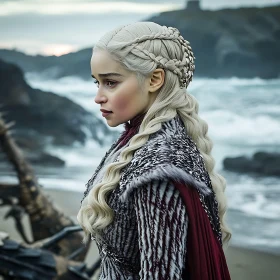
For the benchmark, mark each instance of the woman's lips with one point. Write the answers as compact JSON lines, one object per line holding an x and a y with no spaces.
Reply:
{"x":105,"y":112}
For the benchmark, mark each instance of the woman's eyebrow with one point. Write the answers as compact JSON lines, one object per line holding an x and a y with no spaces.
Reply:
{"x":106,"y":75}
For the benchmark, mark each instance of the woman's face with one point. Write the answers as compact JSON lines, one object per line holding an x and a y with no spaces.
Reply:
{"x":118,"y":90}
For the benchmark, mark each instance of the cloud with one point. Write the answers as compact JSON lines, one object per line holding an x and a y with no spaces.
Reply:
{"x":8,"y":7}
{"x":35,"y":26}
{"x":71,"y":7}
{"x":33,"y":33}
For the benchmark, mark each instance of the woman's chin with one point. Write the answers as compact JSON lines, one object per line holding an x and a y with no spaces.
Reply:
{"x":112,"y":123}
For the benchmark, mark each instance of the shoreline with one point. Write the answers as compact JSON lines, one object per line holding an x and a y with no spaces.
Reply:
{"x":243,"y":263}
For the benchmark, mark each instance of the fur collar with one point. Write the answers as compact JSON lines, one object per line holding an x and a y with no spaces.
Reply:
{"x":168,"y":154}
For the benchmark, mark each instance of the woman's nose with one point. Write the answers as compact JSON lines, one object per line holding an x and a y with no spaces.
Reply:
{"x":100,"y":97}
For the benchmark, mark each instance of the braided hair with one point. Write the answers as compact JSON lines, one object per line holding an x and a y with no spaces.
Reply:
{"x":142,"y":47}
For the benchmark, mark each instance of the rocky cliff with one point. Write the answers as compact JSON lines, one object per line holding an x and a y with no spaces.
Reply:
{"x":242,"y":42}
{"x":44,"y":118}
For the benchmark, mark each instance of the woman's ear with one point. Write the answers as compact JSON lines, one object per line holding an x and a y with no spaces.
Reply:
{"x":156,"y":79}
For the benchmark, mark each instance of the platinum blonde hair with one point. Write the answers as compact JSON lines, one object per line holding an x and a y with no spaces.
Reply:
{"x":141,"y":48}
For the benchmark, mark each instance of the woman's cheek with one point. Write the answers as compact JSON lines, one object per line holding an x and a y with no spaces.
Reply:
{"x":122,"y":103}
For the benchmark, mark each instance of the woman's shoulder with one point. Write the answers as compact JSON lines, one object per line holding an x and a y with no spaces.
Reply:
{"x":171,"y":129}
{"x":170,"y":145}
{"x":172,"y":136}
{"x":168,"y":155}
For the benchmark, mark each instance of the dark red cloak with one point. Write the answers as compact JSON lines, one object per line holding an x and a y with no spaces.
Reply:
{"x":205,"y":255}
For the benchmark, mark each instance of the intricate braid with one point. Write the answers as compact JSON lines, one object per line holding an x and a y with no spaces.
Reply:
{"x":184,"y":68}
{"x":167,"y":33}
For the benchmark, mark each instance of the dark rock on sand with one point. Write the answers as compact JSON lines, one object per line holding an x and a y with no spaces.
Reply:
{"x":262,"y":163}
{"x":45,"y":159}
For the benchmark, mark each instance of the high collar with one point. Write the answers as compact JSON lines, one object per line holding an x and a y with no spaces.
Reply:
{"x":131,"y":128}
{"x":135,"y":122}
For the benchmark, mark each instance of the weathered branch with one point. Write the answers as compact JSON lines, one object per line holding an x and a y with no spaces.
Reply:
{"x":9,"y":190}
{"x":18,"y":259}
{"x":44,"y":217}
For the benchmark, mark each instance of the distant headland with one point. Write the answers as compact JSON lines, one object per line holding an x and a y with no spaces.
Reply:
{"x":243,"y":42}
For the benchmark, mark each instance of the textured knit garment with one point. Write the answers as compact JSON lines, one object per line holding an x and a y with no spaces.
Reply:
{"x":162,"y":227}
{"x":152,"y":235}
{"x":147,"y":239}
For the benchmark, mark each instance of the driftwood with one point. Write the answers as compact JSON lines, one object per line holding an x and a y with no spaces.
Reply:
{"x":49,"y":226}
{"x":17,"y":261}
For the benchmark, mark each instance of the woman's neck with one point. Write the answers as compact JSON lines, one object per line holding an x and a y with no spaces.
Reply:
{"x":136,"y":121}
{"x":131,"y":128}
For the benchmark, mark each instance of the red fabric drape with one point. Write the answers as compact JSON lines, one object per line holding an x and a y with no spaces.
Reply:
{"x":205,"y":255}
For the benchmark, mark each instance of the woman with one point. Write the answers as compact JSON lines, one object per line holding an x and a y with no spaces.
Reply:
{"x":154,"y":205}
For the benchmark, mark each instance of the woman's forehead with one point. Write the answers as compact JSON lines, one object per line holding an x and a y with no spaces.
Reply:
{"x":102,"y":62}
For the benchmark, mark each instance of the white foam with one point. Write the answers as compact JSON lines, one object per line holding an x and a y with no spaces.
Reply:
{"x":253,"y":241}
{"x":232,"y":128}
{"x":259,"y":207}
{"x":231,"y":82}
{"x":253,"y":197}
{"x":82,"y":156}
{"x":80,"y":91}
{"x":63,"y":184}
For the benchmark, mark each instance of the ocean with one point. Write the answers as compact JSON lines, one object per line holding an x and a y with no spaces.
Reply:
{"x":243,"y":117}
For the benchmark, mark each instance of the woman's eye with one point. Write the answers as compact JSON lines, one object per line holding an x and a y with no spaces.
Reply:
{"x":96,"y":82}
{"x":111,"y":83}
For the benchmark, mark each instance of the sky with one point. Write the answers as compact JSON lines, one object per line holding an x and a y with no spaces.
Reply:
{"x":56,"y":27}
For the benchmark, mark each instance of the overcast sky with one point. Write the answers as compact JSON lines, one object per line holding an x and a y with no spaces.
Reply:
{"x":61,"y":26}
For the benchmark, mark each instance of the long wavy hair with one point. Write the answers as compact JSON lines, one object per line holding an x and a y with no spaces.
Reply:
{"x":141,"y":48}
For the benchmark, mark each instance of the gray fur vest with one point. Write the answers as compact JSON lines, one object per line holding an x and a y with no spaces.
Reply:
{"x":169,"y":154}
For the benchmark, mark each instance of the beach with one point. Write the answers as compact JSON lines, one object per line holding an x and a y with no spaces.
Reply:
{"x":244,"y":264}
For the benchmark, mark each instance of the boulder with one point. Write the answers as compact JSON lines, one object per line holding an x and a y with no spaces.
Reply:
{"x":262,"y":163}
{"x":45,"y":159}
